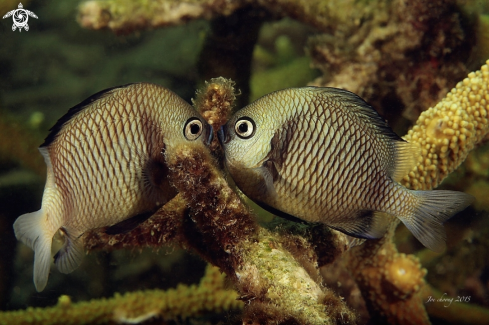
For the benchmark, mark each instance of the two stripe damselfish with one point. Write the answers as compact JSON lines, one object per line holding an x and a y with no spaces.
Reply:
{"x":106,"y":166}
{"x":324,"y":155}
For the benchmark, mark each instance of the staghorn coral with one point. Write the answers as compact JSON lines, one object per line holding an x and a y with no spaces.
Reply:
{"x":123,"y":16}
{"x":398,"y":55}
{"x":389,"y":282}
{"x":229,"y":239}
{"x":215,"y":101}
{"x":163,"y":228}
{"x":127,"y":16}
{"x":362,"y":43}
{"x":136,"y":307}
{"x":447,"y":132}
{"x":221,"y":229}
{"x":208,"y":217}
{"x":467,"y":102}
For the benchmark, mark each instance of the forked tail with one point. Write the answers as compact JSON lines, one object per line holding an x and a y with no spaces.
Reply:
{"x":433,"y":209}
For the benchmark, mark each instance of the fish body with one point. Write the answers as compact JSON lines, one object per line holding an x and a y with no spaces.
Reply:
{"x":324,"y":155}
{"x":106,"y":164}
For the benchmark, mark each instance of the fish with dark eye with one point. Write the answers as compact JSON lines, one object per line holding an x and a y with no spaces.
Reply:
{"x":106,"y":166}
{"x":324,"y":155}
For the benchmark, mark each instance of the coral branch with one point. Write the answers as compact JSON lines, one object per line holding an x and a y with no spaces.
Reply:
{"x":447,"y":132}
{"x":397,"y":55}
{"x":123,"y":16}
{"x":163,"y":228}
{"x":390,"y":282}
{"x":136,"y":307}
{"x":267,"y":276}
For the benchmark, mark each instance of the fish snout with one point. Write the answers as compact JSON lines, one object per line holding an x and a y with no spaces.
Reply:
{"x":222,"y":135}
{"x":210,"y":135}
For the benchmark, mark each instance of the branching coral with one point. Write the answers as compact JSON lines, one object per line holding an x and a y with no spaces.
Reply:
{"x":394,"y":54}
{"x":386,"y":53}
{"x":229,"y":239}
{"x":447,"y":132}
{"x":136,"y":307}
{"x":467,"y":102}
{"x":163,"y":228}
{"x":277,"y":274}
{"x":126,"y":16}
{"x":398,"y":56}
{"x":390,"y":282}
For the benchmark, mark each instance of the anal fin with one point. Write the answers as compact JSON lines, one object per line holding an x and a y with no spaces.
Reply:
{"x":365,"y":224}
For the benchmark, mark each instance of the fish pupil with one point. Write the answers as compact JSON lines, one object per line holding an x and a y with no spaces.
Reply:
{"x":194,"y":129}
{"x":243,"y":127}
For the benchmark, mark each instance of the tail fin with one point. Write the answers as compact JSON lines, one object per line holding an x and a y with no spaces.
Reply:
{"x":30,"y":228}
{"x":433,"y":209}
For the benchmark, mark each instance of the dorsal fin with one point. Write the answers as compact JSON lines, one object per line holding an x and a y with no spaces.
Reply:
{"x":74,"y":111}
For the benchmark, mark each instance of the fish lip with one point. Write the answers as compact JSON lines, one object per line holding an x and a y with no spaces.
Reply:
{"x":221,"y":135}
{"x":210,"y":137}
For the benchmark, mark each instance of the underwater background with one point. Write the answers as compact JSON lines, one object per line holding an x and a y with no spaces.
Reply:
{"x":75,"y":49}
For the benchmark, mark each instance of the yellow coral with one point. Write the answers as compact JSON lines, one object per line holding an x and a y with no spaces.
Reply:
{"x":447,"y":132}
{"x":135,"y":307}
{"x":404,"y":275}
{"x":390,"y":282}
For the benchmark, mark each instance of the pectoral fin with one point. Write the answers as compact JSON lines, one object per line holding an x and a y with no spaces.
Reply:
{"x":271,"y":166}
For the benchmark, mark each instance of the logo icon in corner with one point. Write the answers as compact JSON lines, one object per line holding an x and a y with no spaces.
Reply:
{"x":20,"y":17}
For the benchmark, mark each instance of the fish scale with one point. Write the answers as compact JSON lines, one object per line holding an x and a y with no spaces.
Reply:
{"x":324,"y":155}
{"x":106,"y":167}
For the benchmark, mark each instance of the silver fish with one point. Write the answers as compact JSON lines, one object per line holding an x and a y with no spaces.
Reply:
{"x":105,"y":164}
{"x":324,"y":155}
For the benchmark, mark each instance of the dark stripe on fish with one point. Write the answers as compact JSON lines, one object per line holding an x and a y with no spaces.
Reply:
{"x":128,"y":224}
{"x":74,"y":111}
{"x":281,"y":214}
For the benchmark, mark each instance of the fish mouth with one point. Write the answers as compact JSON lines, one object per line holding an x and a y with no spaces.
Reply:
{"x":210,"y":136}
{"x":221,"y":135}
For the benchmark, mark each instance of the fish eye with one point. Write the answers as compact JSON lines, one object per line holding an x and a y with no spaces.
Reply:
{"x":192,"y":129}
{"x":245,"y":128}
